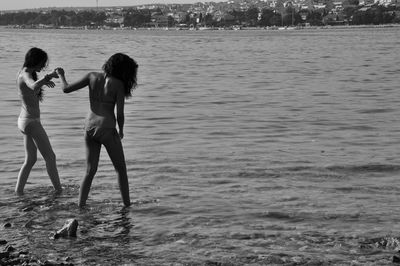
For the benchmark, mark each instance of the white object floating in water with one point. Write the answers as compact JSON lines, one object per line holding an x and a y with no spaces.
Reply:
{"x":68,"y":230}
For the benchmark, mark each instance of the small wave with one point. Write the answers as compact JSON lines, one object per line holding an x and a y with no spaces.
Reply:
{"x":159,"y":210}
{"x":386,"y":242}
{"x":380,"y":168}
{"x":392,"y":72}
{"x":277,"y":215}
{"x":247,"y":236}
{"x":83,"y":69}
{"x":220,"y":182}
{"x":145,"y":201}
{"x":376,"y":111}
{"x":342,"y":216}
{"x":12,"y":100}
{"x":299,"y":168}
{"x":160,"y":118}
{"x":357,"y":127}
{"x":295,"y":217}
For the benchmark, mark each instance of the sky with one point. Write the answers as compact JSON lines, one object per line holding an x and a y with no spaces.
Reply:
{"x":23,"y":4}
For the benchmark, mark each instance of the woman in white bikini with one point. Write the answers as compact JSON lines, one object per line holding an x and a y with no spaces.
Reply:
{"x":107,"y":92}
{"x":35,"y":137}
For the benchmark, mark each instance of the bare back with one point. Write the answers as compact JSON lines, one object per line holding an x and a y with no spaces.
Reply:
{"x":103,"y":97}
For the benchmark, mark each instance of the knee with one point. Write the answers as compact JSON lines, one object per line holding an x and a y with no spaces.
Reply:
{"x":50,"y":157}
{"x":120,"y":168}
{"x":91,"y":170}
{"x":31,"y":160}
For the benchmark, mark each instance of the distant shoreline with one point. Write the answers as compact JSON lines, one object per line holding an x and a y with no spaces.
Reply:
{"x":274,"y":28}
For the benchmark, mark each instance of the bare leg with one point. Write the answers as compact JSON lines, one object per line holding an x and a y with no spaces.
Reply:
{"x":30,"y":160}
{"x":116,"y":153}
{"x":39,"y":136}
{"x":92,"y":161}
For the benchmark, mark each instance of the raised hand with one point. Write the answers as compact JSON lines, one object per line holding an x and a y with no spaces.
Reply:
{"x":54,"y":74}
{"x":59,"y":71}
{"x":50,"y":84}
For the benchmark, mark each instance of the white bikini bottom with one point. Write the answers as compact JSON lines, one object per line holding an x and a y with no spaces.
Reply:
{"x":24,"y":122}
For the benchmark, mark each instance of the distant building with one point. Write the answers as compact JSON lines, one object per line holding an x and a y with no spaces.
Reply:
{"x":159,"y":20}
{"x":319,"y":6}
{"x":115,"y":20}
{"x":366,"y":2}
{"x":385,"y":2}
{"x":338,"y":5}
{"x":179,"y":16}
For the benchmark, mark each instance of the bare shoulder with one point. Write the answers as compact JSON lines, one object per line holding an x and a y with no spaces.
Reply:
{"x":115,"y":83}
{"x":93,"y":75}
{"x":94,"y":78}
{"x":23,"y":76}
{"x":19,"y":76}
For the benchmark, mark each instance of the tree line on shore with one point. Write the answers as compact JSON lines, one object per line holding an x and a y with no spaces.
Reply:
{"x":351,"y":14}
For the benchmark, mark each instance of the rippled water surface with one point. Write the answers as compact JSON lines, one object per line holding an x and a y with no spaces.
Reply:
{"x":242,"y":147}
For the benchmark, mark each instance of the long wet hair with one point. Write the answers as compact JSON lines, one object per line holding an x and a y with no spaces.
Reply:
{"x":33,"y":58}
{"x":124,"y":68}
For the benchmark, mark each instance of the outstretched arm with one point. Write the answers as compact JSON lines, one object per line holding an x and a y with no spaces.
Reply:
{"x":67,"y":88}
{"x":36,"y":85}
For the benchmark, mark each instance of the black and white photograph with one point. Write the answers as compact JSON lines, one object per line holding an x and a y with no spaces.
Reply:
{"x":193,"y":133}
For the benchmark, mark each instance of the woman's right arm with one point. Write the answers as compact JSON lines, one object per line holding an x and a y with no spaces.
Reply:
{"x":67,"y":88}
{"x":36,"y":85}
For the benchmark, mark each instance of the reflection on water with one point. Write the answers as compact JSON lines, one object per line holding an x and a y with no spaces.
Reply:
{"x":244,"y":147}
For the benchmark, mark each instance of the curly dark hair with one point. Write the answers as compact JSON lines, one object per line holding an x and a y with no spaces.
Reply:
{"x":124,"y":68}
{"x":33,"y":58}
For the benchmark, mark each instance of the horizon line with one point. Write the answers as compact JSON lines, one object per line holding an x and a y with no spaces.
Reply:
{"x":108,"y":6}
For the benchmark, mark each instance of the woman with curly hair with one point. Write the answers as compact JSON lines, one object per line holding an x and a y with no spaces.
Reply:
{"x":35,"y":137}
{"x":107,"y":91}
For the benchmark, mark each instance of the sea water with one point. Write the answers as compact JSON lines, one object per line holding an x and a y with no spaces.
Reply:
{"x":242,"y":147}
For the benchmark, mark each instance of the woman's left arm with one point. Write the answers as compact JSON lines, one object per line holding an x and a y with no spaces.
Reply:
{"x":120,"y":111}
{"x":67,"y":88}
